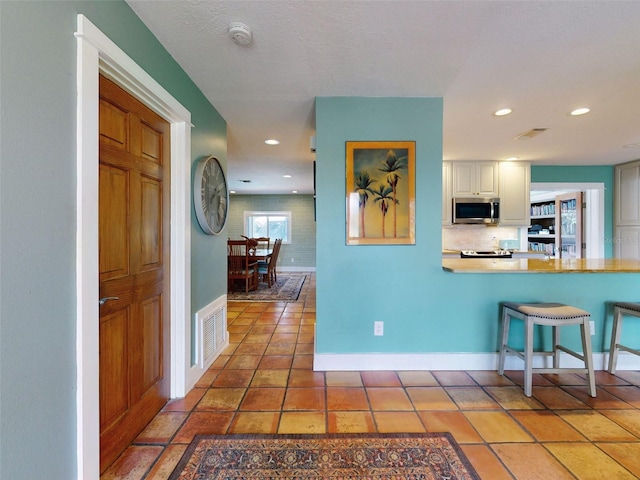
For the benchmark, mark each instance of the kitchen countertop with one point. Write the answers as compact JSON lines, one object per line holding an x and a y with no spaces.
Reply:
{"x":536,"y":265}
{"x":516,"y":253}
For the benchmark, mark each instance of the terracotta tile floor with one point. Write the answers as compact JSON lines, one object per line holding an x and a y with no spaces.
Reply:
{"x":264,"y":383}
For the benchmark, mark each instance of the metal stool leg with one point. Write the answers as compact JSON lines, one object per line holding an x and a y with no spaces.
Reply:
{"x":556,"y":342}
{"x":588,"y":357}
{"x":615,"y":339}
{"x":506,"y":320}
{"x":528,"y":355}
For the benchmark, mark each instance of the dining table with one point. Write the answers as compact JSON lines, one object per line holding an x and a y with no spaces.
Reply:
{"x":260,"y":255}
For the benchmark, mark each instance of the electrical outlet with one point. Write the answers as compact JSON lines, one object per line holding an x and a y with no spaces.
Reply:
{"x":378,"y":328}
{"x":592,"y":327}
{"x":291,"y":259}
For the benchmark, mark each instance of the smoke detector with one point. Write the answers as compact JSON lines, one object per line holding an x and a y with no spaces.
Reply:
{"x":240,"y":33}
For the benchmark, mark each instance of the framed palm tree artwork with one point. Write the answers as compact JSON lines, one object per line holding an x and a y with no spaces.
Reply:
{"x":381,"y":193}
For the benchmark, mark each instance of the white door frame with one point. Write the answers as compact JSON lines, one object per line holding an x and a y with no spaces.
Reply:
{"x":593,"y":226}
{"x":96,"y":54}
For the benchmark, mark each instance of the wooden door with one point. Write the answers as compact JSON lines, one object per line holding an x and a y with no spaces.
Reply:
{"x":134,"y":267}
{"x":569,"y":225}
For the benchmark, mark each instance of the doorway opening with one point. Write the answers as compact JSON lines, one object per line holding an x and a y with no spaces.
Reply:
{"x":593,"y":221}
{"x":96,"y":54}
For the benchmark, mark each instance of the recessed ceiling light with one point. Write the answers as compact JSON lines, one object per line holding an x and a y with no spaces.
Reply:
{"x":510,"y":159}
{"x":580,"y":111}
{"x":232,"y":191}
{"x":294,"y":191}
{"x":271,"y":141}
{"x":502,"y":112}
{"x":286,"y":176}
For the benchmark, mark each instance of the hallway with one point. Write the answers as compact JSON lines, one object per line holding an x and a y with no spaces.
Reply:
{"x":264,"y":383}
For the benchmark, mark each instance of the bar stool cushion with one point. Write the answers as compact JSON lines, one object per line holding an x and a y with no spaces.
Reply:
{"x":628,"y":305}
{"x":555,"y":311}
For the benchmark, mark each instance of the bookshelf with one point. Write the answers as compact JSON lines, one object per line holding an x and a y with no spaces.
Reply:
{"x":542,"y":232}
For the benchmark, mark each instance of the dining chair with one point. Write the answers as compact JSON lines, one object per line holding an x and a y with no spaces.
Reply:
{"x":267,"y":269}
{"x":275,"y":256}
{"x":251,"y":243}
{"x":236,"y":247}
{"x":262,"y":243}
{"x":240,"y":265}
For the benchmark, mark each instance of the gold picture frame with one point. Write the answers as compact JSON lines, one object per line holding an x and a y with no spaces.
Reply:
{"x":380,"y":193}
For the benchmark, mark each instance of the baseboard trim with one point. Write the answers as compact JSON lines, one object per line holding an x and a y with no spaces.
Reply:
{"x":296,"y":269}
{"x":453,"y":361}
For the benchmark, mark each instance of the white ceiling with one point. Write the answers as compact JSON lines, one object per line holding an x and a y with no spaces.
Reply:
{"x":540,"y":58}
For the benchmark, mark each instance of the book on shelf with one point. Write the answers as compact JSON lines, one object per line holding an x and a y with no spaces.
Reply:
{"x":546,"y":248}
{"x":568,"y":205}
{"x":538,"y":210}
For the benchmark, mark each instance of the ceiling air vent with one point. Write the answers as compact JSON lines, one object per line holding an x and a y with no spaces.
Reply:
{"x":530,"y":133}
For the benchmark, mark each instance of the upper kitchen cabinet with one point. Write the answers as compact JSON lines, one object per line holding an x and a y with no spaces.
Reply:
{"x":475,"y":179}
{"x":626,"y":230}
{"x":514,"y":183}
{"x":509,"y":181}
{"x":627,"y":193}
{"x":446,"y":194}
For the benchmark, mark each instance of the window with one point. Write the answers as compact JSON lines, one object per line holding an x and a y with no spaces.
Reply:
{"x":268,"y":224}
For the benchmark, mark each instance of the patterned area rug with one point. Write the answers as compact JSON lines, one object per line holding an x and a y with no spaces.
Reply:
{"x":426,"y":456}
{"x":286,"y":289}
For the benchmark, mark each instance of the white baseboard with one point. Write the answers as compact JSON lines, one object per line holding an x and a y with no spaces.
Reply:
{"x":296,"y":269}
{"x":454,"y":361}
{"x":401,"y":361}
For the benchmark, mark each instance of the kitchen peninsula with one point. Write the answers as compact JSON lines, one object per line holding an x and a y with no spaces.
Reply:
{"x":537,"y":265}
{"x":587,"y":283}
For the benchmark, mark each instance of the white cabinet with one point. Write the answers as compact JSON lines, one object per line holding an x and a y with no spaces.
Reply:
{"x":627,"y":210}
{"x":627,"y":242}
{"x":475,"y":178}
{"x":514,"y":188}
{"x":509,"y":181}
{"x":627,"y":193}
{"x":446,"y":194}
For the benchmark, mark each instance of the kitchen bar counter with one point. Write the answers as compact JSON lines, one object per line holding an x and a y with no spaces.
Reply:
{"x":535,"y":265}
{"x":516,"y":253}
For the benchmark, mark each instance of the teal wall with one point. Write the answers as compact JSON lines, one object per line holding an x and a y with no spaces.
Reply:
{"x":38,"y":219}
{"x":424,"y":308}
{"x":583,"y":174}
{"x":302,"y":248}
{"x":359,"y":284}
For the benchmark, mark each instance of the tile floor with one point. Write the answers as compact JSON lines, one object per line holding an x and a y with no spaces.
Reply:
{"x":263,"y":382}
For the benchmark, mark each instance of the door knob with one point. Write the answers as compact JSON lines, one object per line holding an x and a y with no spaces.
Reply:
{"x":104,"y":300}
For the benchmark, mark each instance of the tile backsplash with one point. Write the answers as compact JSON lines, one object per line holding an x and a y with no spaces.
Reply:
{"x":476,"y":237}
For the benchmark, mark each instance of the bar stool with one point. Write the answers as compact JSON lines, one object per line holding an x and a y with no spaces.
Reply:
{"x":621,"y":309}
{"x":555,"y":315}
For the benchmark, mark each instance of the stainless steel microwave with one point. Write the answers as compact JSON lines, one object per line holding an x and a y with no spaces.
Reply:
{"x":476,"y":210}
